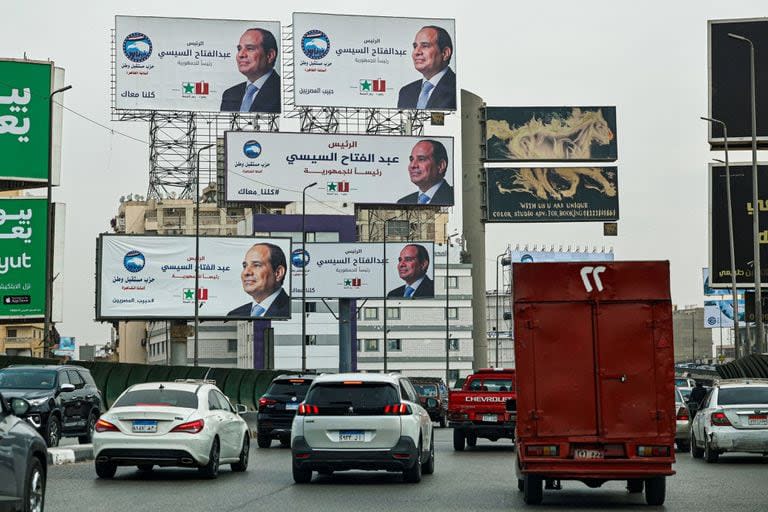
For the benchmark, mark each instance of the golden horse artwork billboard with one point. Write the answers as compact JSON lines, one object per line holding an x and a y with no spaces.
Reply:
{"x":551,"y":134}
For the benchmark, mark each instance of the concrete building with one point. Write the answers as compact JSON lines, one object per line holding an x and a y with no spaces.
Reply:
{"x":693,"y":341}
{"x":22,"y":340}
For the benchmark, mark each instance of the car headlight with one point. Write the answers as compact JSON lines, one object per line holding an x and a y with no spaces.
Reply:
{"x":36,"y":402}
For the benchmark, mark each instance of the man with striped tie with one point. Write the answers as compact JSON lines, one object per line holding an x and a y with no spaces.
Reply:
{"x":256,"y":56}
{"x":412,"y":265}
{"x":432,"y":51}
{"x":263,"y":273}
{"x":427,"y":166}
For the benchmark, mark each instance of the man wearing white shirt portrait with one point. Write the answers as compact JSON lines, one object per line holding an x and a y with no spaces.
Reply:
{"x":256,"y":56}
{"x":264,"y":268}
{"x":427,"y":166}
{"x":432,"y":51}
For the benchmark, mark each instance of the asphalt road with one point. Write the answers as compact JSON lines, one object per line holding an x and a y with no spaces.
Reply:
{"x":476,"y":479}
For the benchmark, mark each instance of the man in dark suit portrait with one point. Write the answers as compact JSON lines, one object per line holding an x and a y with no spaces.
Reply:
{"x":412,"y":265}
{"x":264,"y":269}
{"x":256,"y":55}
{"x":432,"y":51}
{"x":427,"y":166}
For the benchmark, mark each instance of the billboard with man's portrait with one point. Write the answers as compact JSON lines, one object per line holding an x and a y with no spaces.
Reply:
{"x":364,"y":169}
{"x":199,"y":65}
{"x":374,"y":62}
{"x":153,"y":277}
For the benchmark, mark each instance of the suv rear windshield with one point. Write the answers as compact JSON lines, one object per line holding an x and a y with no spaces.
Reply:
{"x":743,"y":396}
{"x":290,"y":387}
{"x":12,"y":378}
{"x":426,"y":389}
{"x":158,"y":398}
{"x":367,"y":398}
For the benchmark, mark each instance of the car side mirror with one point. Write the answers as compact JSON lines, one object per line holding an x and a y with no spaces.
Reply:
{"x":431,"y":402}
{"x":240,"y":408}
{"x":19,"y":406}
{"x":67,"y":388}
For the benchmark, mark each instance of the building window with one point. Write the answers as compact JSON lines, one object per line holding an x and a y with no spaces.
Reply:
{"x":312,"y":339}
{"x":232,"y":345}
{"x":398,"y":228}
{"x":360,"y":345}
{"x":371,"y":313}
{"x":393,"y":313}
{"x":453,"y":344}
{"x":371,"y":345}
{"x":453,"y":313}
{"x":11,"y":333}
{"x":394,"y":345}
{"x":453,"y":282}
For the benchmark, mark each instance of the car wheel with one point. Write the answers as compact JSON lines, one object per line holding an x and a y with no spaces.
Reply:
{"x":145,"y":468}
{"x":471,"y":440}
{"x":520,"y":484}
{"x":634,"y":486}
{"x":301,"y":475}
{"x":105,"y":470}
{"x":683,"y":445}
{"x":412,"y":475}
{"x":285,"y":442}
{"x":211,"y":470}
{"x":696,"y":452}
{"x":34,"y":487}
{"x":53,"y":431}
{"x":710,"y":455}
{"x":242,"y":462}
{"x":532,"y":491}
{"x":458,"y":440}
{"x":429,"y":466}
{"x":443,"y":422}
{"x":263,"y":441}
{"x":90,"y":429}
{"x":655,"y":490}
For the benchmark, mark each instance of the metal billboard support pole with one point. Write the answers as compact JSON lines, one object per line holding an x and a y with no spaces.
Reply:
{"x":197,"y":251}
{"x":447,"y":297}
{"x":304,"y":278}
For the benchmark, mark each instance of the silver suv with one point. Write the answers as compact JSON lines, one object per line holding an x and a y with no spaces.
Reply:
{"x":362,"y":421}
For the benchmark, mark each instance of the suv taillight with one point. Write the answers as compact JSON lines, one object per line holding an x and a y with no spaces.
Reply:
{"x":682,"y":414}
{"x":398,"y":409}
{"x":191,"y":427}
{"x":306,"y":410}
{"x":719,"y":419}
{"x":105,"y":426}
{"x":264,"y":402}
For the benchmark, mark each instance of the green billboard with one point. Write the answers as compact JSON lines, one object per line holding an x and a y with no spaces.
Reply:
{"x":25,"y":122}
{"x":23,"y":228}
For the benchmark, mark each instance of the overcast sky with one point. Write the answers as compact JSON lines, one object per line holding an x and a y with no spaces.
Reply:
{"x":649,"y":59}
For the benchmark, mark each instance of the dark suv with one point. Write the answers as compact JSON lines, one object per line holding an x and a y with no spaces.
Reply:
{"x":64,"y":400}
{"x":278,"y":406}
{"x":433,"y":387}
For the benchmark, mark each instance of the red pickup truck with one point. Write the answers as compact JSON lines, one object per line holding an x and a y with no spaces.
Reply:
{"x":484,"y":407}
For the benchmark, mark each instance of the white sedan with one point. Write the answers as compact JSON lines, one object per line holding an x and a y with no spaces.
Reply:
{"x":187,"y":424}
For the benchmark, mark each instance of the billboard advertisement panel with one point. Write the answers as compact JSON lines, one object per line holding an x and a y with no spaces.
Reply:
{"x":719,"y":313}
{"x":741,"y":198}
{"x":23,"y":228}
{"x":24,"y":122}
{"x":370,"y":169}
{"x":153,"y":277}
{"x":66,"y":347}
{"x":374,"y":62}
{"x":729,"y":81}
{"x":552,"y":134}
{"x":197,"y":64}
{"x":525,"y":256}
{"x":357,"y":270}
{"x":552,"y":194}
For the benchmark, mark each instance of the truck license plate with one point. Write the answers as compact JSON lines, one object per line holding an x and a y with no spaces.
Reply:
{"x":490,"y":417}
{"x":583,"y":453}
{"x":351,"y":436}
{"x":757,"y":419}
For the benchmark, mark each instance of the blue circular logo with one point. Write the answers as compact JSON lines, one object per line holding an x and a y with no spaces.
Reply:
{"x":252,"y":149}
{"x":133,"y":261}
{"x":711,"y":320}
{"x":297,"y":260}
{"x":137,"y":47}
{"x":315,"y":44}
{"x":526,"y":258}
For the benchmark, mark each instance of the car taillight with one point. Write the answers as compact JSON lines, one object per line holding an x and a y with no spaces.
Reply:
{"x":306,"y":410}
{"x":653,"y":451}
{"x":398,"y":409}
{"x":542,"y":451}
{"x":264,"y":402}
{"x":682,"y":414}
{"x":720,"y":419}
{"x":190,"y":427}
{"x":105,"y":426}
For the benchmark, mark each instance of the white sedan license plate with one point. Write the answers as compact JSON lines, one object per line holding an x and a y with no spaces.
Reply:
{"x":490,"y":417}
{"x":757,"y":420}
{"x":291,"y":406}
{"x":145,"y":426}
{"x":583,"y":453}
{"x":351,"y":436}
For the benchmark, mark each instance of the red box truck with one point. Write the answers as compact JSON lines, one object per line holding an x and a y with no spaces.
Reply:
{"x":595,"y":372}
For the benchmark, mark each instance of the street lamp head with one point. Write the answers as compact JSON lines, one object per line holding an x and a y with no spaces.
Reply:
{"x":740,"y":38}
{"x":310,"y":185}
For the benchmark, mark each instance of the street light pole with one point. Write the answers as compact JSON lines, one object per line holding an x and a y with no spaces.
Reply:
{"x":755,"y":198}
{"x":693,"y":335}
{"x":49,"y":232}
{"x":734,"y":291}
{"x":304,"y":277}
{"x":197,"y":251}
{"x":447,"y":296}
{"x":497,"y":306}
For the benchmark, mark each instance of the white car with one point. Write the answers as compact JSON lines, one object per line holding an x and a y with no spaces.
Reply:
{"x":187,"y":424}
{"x":362,"y":421}
{"x":732,"y":418}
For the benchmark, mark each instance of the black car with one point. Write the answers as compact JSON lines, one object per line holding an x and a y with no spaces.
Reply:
{"x":64,"y":400}
{"x":23,"y":461}
{"x":433,"y":387}
{"x":278,"y":406}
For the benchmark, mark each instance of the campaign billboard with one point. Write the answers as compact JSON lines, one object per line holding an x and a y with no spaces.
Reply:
{"x":358,"y":270}
{"x":552,"y":194}
{"x":374,"y":62}
{"x":153,"y":277}
{"x":743,"y":239}
{"x":25,"y":122}
{"x":66,"y":347}
{"x":526,"y":256}
{"x":552,"y":134}
{"x":23,"y":239}
{"x":729,"y":81}
{"x":204,"y":65}
{"x":719,"y":313}
{"x":364,"y":169}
